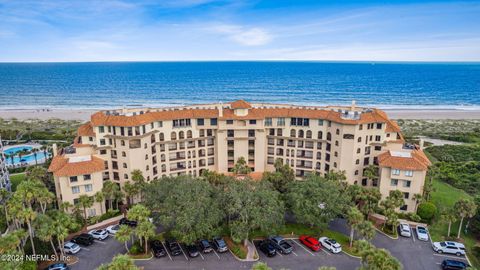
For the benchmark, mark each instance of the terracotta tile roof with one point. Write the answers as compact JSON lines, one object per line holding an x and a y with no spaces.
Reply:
{"x":392,"y":126}
{"x":61,"y":167}
{"x":417,"y":162}
{"x":86,"y":130}
{"x":240,"y":104}
{"x":373,"y":116}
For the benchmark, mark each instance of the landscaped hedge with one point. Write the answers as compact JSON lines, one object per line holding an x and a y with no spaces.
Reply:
{"x":426,"y":211}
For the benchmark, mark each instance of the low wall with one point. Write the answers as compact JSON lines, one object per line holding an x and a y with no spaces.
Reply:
{"x":378,"y":220}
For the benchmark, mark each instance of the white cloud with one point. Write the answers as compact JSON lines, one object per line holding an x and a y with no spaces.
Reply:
{"x":244,"y":36}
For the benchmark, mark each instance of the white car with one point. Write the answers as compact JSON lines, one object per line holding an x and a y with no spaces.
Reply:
{"x":99,"y":234}
{"x":422,"y":233}
{"x":113,"y":229}
{"x":449,"y":247}
{"x":405,"y":230}
{"x":71,"y":248}
{"x":330,"y":244}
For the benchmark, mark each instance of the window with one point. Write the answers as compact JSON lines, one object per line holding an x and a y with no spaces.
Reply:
{"x":406,"y":195}
{"x":102,"y":141}
{"x":379,"y":125}
{"x":101,"y":129}
{"x":396,"y":172}
{"x":378,"y":148}
{"x":88,"y":188}
{"x":229,"y":122}
{"x":320,"y":122}
{"x":364,"y":181}
{"x":404,"y":207}
{"x":73,"y":179}
{"x":103,"y":152}
{"x":408,"y":173}
{"x":160,"y":124}
{"x":213,"y":121}
{"x":76,"y":190}
{"x":87,"y":177}
{"x":393,"y":182}
{"x":268,"y":122}
{"x":92,"y":212}
{"x":378,"y":138}
{"x":253,"y":122}
{"x":181,"y":123}
{"x":298,"y":121}
{"x":251,"y":133}
{"x":406,"y":183}
{"x":200,"y":122}
{"x":230,"y":133}
{"x":281,"y":121}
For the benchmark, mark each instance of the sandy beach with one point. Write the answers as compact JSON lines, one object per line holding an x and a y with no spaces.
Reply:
{"x":84,"y":115}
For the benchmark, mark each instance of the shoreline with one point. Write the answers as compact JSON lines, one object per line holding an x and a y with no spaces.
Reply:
{"x":84,"y":114}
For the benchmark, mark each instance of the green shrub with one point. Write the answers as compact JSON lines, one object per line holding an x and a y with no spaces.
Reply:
{"x":426,"y":211}
{"x":136,"y":248}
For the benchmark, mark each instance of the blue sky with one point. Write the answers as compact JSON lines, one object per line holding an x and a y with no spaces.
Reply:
{"x":148,"y":30}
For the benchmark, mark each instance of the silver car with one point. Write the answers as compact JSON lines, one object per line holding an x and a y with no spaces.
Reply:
{"x":71,"y":248}
{"x":405,"y":230}
{"x":422,"y":233}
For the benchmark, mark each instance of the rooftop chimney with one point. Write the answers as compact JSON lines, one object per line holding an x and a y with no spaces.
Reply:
{"x":353,"y":105}
{"x":220,"y":110}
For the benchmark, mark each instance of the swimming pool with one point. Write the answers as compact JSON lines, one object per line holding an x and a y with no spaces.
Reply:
{"x":30,"y":158}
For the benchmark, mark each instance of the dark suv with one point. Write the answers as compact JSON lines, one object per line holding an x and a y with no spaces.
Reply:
{"x":267,"y":247}
{"x":205,"y":246}
{"x":173,"y":247}
{"x":453,"y":265}
{"x":125,"y":221}
{"x":157,"y":248}
{"x":84,"y":239}
{"x":280,"y":244}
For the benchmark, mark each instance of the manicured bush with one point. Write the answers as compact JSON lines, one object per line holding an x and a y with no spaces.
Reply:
{"x":136,"y":248}
{"x":426,"y":211}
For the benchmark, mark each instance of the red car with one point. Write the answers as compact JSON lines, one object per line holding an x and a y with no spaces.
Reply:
{"x":310,"y":242}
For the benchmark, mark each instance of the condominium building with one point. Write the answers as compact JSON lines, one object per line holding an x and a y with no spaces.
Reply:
{"x":4,"y":177}
{"x":189,"y":139}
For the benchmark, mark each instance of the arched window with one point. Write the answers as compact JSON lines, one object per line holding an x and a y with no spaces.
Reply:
{"x":189,"y":154}
{"x":162,"y":157}
{"x":329,"y":136}
{"x":320,"y":135}
{"x":189,"y":134}
{"x":152,"y":138}
{"x":300,"y":133}
{"x":337,"y":131}
{"x":181,"y":135}
{"x":293,"y":133}
{"x":319,"y":155}
{"x":318,"y":166}
{"x":173,"y":136}
{"x":125,"y":176}
{"x":309,"y":134}
{"x":162,"y":137}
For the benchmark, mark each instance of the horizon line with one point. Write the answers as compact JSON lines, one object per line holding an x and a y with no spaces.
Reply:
{"x":259,"y":60}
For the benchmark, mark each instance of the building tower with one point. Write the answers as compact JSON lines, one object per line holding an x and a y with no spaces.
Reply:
{"x":4,"y":177}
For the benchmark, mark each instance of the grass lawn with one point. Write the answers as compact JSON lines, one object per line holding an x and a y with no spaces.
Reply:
{"x":16,"y":179}
{"x":342,"y":239}
{"x":444,"y":197}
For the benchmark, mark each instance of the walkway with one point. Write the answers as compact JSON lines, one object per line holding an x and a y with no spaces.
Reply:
{"x":251,"y":252}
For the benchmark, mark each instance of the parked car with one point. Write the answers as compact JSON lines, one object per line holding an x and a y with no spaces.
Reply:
{"x":330,"y":244}
{"x":173,"y":247}
{"x":113,"y":229}
{"x":422,"y":233}
{"x":99,"y":234}
{"x":205,"y":246}
{"x":58,"y":266}
{"x":125,"y":221}
{"x":71,"y":248}
{"x":83,"y":239}
{"x":281,"y":245}
{"x":453,"y":265}
{"x":310,"y":242}
{"x":267,"y":247}
{"x":219,"y":244}
{"x":449,"y":247}
{"x":158,"y":249}
{"x":405,"y":230}
{"x":192,"y":251}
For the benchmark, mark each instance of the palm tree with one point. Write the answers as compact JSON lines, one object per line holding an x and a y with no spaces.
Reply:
{"x":100,"y":198}
{"x":366,"y":229}
{"x":62,"y":224}
{"x":139,"y":182}
{"x":464,"y":208}
{"x":27,"y":215}
{"x":354,"y":218}
{"x":130,"y":191}
{"x":371,"y":172}
{"x":146,"y":230}
{"x":449,"y":217}
{"x":109,"y":189}
{"x":85,"y":202}
{"x":4,"y":197}
{"x":140,"y":214}
{"x":34,"y":151}
{"x":119,"y":262}
{"x":124,"y":234}
{"x":418,"y":198}
{"x":64,"y":206}
{"x":45,"y":230}
{"x":241,"y":167}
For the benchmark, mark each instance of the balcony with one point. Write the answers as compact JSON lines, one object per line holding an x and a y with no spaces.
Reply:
{"x":133,"y":144}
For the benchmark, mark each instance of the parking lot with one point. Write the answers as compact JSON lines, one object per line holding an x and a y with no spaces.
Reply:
{"x":304,"y":258}
{"x":412,"y":253}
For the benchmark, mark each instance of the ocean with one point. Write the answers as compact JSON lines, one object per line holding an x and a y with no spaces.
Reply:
{"x":131,"y":84}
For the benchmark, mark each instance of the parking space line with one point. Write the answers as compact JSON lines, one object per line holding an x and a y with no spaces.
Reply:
{"x":98,"y":241}
{"x":183,"y":253}
{"x":303,"y":247}
{"x":87,"y":249}
{"x":294,"y":253}
{"x":326,"y":252}
{"x":200,"y":253}
{"x":216,"y":254}
{"x":167,"y":251}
